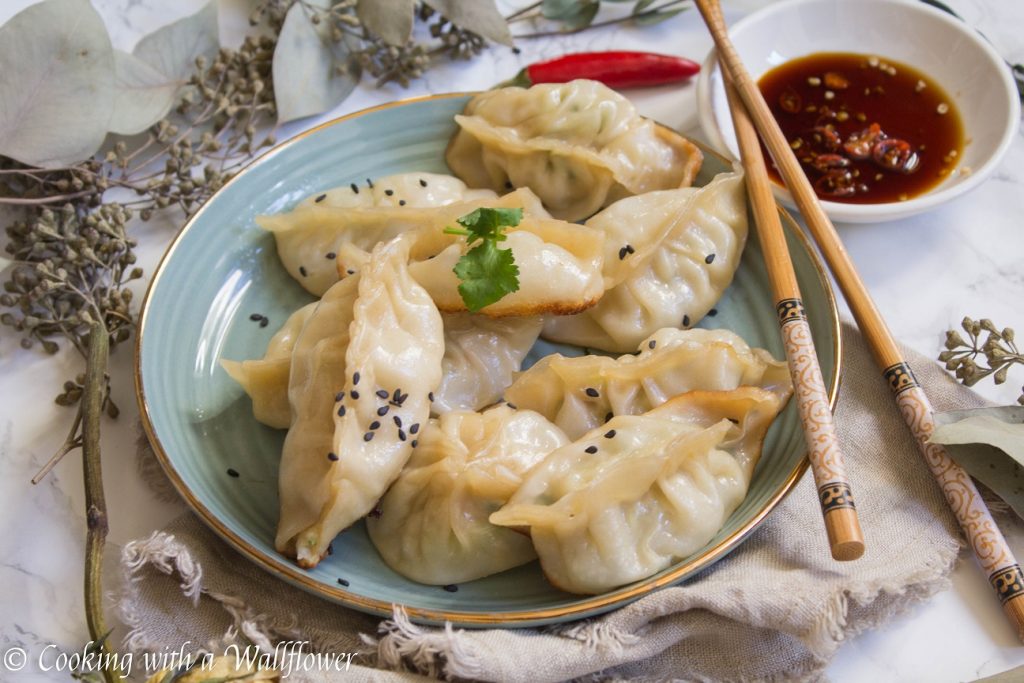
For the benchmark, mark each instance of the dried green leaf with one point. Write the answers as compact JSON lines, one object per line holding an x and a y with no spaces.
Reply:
{"x":563,"y":9}
{"x":657,"y":17}
{"x":306,"y":81}
{"x":389,"y":20}
{"x":172,"y":49}
{"x":480,"y":16}
{"x":56,"y":83}
{"x":142,"y":95}
{"x":989,"y":444}
{"x":641,"y":5}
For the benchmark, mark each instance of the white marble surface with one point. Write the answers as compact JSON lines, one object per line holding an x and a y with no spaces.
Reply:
{"x":925,"y":273}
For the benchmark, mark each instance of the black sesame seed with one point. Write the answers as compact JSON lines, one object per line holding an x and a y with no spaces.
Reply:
{"x":592,"y":392}
{"x":369,"y":183}
{"x":608,"y":416}
{"x":374,"y":425}
{"x":396,"y":395}
{"x":354,"y":394}
{"x":331,"y":256}
{"x":651,"y":344}
{"x":414,"y":443}
{"x":264,"y":322}
{"x":355,"y":188}
{"x":333,"y":457}
{"x":423,"y":183}
{"x":382,"y":393}
{"x":320,"y":198}
{"x":451,"y":588}
{"x":622,"y":253}
{"x":401,"y":202}
{"x":382,"y":411}
{"x":431,"y":396}
{"x":302,"y":271}
{"x":713,"y":312}
{"x":256,"y":316}
{"x":610,"y":434}
{"x":340,"y":396}
{"x":513,"y":406}
{"x":232,"y":472}
{"x":401,"y":435}
{"x":343,"y":582}
{"x":398,"y":421}
{"x":368,"y":436}
{"x":591,"y":449}
{"x":630,"y":249}
{"x":350,"y":272}
{"x":341,"y":411}
{"x":389,"y":192}
{"x":414,"y":428}
{"x":355,"y":377}
{"x":686,"y":321}
{"x":710,"y":259}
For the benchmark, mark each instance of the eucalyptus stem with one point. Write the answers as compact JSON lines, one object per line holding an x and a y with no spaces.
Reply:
{"x":610,"y":22}
{"x":93,"y":393}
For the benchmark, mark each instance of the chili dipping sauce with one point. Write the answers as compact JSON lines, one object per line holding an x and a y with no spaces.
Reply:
{"x":867,"y":130}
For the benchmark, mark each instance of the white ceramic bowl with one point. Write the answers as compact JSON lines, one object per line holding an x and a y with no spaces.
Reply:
{"x":949,"y":51}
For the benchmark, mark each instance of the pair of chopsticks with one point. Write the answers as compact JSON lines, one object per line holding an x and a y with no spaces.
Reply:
{"x":750,"y":111}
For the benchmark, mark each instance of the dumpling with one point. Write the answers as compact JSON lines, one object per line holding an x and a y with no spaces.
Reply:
{"x":432,"y":525}
{"x":266,"y":379}
{"x":580,"y":146}
{"x":316,"y":239}
{"x":631,"y":497}
{"x":317,"y":374}
{"x":582,"y":393}
{"x":559,"y":268}
{"x":480,"y":356}
{"x":675,"y":253}
{"x":392,"y":364}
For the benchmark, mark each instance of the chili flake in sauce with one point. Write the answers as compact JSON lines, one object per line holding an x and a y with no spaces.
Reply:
{"x":866,"y":129}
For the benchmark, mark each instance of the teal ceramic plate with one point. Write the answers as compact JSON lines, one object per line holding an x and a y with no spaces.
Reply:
{"x":222,"y":268}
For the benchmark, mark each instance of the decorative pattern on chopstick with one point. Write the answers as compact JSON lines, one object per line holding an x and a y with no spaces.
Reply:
{"x":989,"y":546}
{"x":790,"y":309}
{"x":900,"y":377}
{"x":1009,"y":583}
{"x":835,"y":497}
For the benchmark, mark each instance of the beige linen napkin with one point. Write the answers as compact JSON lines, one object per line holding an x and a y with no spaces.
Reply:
{"x":775,"y":609}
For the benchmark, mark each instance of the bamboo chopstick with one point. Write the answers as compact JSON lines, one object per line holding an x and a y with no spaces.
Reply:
{"x":846,"y":541}
{"x":990,"y":548}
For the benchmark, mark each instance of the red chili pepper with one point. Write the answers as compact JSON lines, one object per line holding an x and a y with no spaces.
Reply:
{"x":615,"y":69}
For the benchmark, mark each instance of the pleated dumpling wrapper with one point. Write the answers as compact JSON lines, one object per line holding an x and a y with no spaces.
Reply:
{"x":392,"y":365}
{"x":579,"y":145}
{"x":265,"y":380}
{"x":582,"y":393}
{"x":432,"y":525}
{"x":338,"y":228}
{"x":628,"y":499}
{"x":669,"y":257}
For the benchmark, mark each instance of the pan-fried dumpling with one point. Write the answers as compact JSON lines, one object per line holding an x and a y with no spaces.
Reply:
{"x":580,"y":146}
{"x":317,"y":374}
{"x":675,"y":253}
{"x":432,"y":525}
{"x":628,"y":499}
{"x":266,"y":379}
{"x":480,"y":356}
{"x":582,"y":393}
{"x":316,"y":239}
{"x":392,"y":364}
{"x":559,"y":268}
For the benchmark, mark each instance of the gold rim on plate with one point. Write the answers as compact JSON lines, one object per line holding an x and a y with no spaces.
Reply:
{"x":295,"y":575}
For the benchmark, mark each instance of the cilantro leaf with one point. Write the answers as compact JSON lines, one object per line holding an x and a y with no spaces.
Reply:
{"x":486,"y":272}
{"x":486,"y":223}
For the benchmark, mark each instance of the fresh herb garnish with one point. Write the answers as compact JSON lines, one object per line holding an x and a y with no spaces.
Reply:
{"x":486,"y":272}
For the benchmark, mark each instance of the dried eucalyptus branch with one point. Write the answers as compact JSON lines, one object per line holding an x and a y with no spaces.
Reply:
{"x":998,"y":349}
